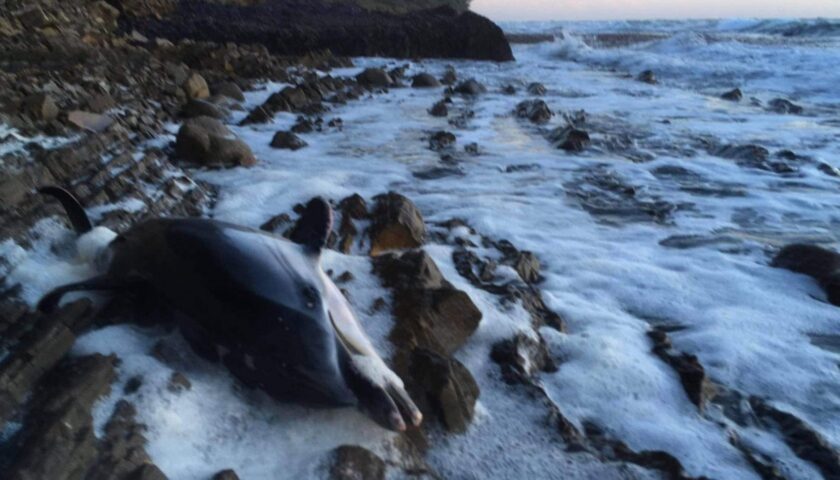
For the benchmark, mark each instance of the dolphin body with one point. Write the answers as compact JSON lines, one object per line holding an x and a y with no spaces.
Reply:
{"x":257,"y":302}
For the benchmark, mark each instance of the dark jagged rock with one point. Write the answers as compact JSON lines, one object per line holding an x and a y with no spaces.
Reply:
{"x":820,"y":263}
{"x":277,"y":223}
{"x":752,"y":153}
{"x":444,"y":389}
{"x":430,"y":313}
{"x":805,"y":442}
{"x":521,"y":357}
{"x":50,"y":338}
{"x":148,"y":472}
{"x":441,"y":140}
{"x":527,"y":265}
{"x":226,"y":475}
{"x":206,"y":141}
{"x":618,"y":450}
{"x":40,"y":106}
{"x":449,"y":77}
{"x":350,"y":462}
{"x":439,"y":109}
{"x":536,"y":111}
{"x":354,"y":207}
{"x":648,"y":77}
{"x":733,"y":95}
{"x":570,"y":139}
{"x":691,"y":372}
{"x":470,"y":87}
{"x":122,"y":453}
{"x":57,"y":440}
{"x":537,"y":89}
{"x":424,"y":80}
{"x":781,"y":105}
{"x":293,"y":27}
{"x":288,"y":141}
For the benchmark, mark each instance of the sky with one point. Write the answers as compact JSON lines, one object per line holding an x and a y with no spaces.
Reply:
{"x":501,"y":10}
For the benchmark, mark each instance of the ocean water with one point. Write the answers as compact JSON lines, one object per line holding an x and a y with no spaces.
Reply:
{"x":689,"y":247}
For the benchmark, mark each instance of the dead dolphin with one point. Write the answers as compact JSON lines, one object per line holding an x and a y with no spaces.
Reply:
{"x":259,"y":303}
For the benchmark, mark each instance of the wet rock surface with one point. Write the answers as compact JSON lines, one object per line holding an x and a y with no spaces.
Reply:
{"x":397,"y":224}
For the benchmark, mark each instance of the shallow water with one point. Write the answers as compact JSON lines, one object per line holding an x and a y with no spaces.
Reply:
{"x":645,"y":224}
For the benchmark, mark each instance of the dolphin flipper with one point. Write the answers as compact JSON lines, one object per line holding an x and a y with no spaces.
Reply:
{"x":50,"y":301}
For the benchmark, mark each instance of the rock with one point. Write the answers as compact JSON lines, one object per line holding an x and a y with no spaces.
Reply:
{"x":733,"y":95}
{"x":449,"y":77}
{"x":374,"y":78}
{"x":439,"y":109}
{"x":201,"y":108}
{"x":57,"y":440}
{"x":196,"y":87}
{"x":277,"y":223}
{"x":569,"y":138}
{"x":805,"y":441}
{"x":472,"y":149}
{"x":100,"y":103}
{"x":537,"y":89}
{"x":397,"y":224}
{"x":226,"y":475}
{"x":521,"y":357}
{"x":424,"y":80}
{"x":829,"y":169}
{"x":446,"y":388}
{"x":820,"y":263}
{"x":647,"y":77}
{"x":229,"y":90}
{"x":354,"y":207}
{"x":441,"y":140}
{"x":470,"y":87}
{"x":148,"y":472}
{"x":527,"y":265}
{"x":536,"y":111}
{"x":780,"y":105}
{"x":303,"y":125}
{"x":104,"y":13}
{"x":178,"y":382}
{"x":288,"y":141}
{"x":430,"y":313}
{"x":93,"y":122}
{"x":122,"y":453}
{"x":509,"y":90}
{"x":752,"y":153}
{"x":32,"y":17}
{"x":208,"y":142}
{"x":40,"y":106}
{"x":691,"y":372}
{"x":49,"y":339}
{"x":350,"y":462}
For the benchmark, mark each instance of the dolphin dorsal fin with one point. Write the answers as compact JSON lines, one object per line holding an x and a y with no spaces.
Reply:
{"x":314,"y":225}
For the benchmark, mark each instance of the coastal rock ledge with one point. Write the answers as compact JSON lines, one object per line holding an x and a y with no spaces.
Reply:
{"x":293,"y":27}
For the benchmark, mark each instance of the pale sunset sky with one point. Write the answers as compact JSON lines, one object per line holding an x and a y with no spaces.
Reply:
{"x":652,"y":9}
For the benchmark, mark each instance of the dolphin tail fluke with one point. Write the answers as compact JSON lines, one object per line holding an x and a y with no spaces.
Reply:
{"x":75,"y":211}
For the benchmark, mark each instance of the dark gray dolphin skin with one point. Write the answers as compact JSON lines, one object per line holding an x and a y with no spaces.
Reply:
{"x":258,"y":303}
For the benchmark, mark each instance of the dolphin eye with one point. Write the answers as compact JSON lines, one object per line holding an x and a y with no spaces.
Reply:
{"x":311,"y":296}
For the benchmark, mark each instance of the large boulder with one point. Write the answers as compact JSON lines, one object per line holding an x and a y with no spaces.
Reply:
{"x":374,"y":78}
{"x":820,"y":263}
{"x":287,"y":140}
{"x":229,"y":90}
{"x":424,"y":80}
{"x":397,"y":224}
{"x":430,"y":312}
{"x":350,"y":462}
{"x":569,"y":138}
{"x":206,"y":141}
{"x":444,"y":387}
{"x":470,"y":87}
{"x":536,"y":111}
{"x":196,"y":87}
